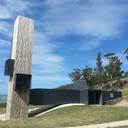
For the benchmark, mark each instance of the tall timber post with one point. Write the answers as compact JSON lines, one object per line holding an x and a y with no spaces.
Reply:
{"x":18,"y":67}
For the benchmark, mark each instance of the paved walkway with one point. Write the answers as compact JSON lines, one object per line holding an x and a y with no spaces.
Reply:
{"x":105,"y":125}
{"x":2,"y":117}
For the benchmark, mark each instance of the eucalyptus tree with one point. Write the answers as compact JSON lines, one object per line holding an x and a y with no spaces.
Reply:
{"x":113,"y":69}
{"x":126,"y":53}
{"x":87,"y":74}
{"x":75,"y":74}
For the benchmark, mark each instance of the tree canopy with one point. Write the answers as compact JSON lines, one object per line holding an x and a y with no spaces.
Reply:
{"x":103,"y":76}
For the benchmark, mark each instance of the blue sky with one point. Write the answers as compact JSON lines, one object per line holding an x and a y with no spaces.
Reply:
{"x":68,"y":34}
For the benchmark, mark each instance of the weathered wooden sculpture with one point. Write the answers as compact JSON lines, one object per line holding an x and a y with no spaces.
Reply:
{"x":19,"y":69}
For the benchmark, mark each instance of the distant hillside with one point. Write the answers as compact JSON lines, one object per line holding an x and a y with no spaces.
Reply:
{"x":95,"y":87}
{"x":67,"y":86}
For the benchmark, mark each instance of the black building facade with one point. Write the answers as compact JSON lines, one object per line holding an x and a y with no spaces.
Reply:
{"x":56,"y":97}
{"x":78,"y":93}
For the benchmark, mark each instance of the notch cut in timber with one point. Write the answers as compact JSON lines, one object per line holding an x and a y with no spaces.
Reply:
{"x":18,"y":100}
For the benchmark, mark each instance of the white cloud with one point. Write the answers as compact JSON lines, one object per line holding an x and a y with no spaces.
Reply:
{"x":5,"y":13}
{"x":49,"y":78}
{"x":12,"y":8}
{"x":97,"y":18}
{"x":89,"y":45}
{"x":4,"y":48}
{"x":4,"y":43}
{"x":16,"y":5}
{"x":44,"y":57}
{"x":47,"y":65}
{"x":6,"y":28}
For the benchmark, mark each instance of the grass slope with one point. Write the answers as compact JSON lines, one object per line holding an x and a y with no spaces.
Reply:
{"x":125,"y":94}
{"x":124,"y":97}
{"x":70,"y":116}
{"x":2,"y":106}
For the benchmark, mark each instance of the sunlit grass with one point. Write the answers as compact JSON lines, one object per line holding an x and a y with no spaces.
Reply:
{"x":71,"y":116}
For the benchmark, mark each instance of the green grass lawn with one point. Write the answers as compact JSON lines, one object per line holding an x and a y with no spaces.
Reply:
{"x":2,"y":110}
{"x":125,"y":94}
{"x":2,"y":106}
{"x":124,"y":97}
{"x":71,"y":116}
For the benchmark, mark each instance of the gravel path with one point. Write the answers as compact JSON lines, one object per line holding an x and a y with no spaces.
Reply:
{"x":123,"y":103}
{"x":105,"y":125}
